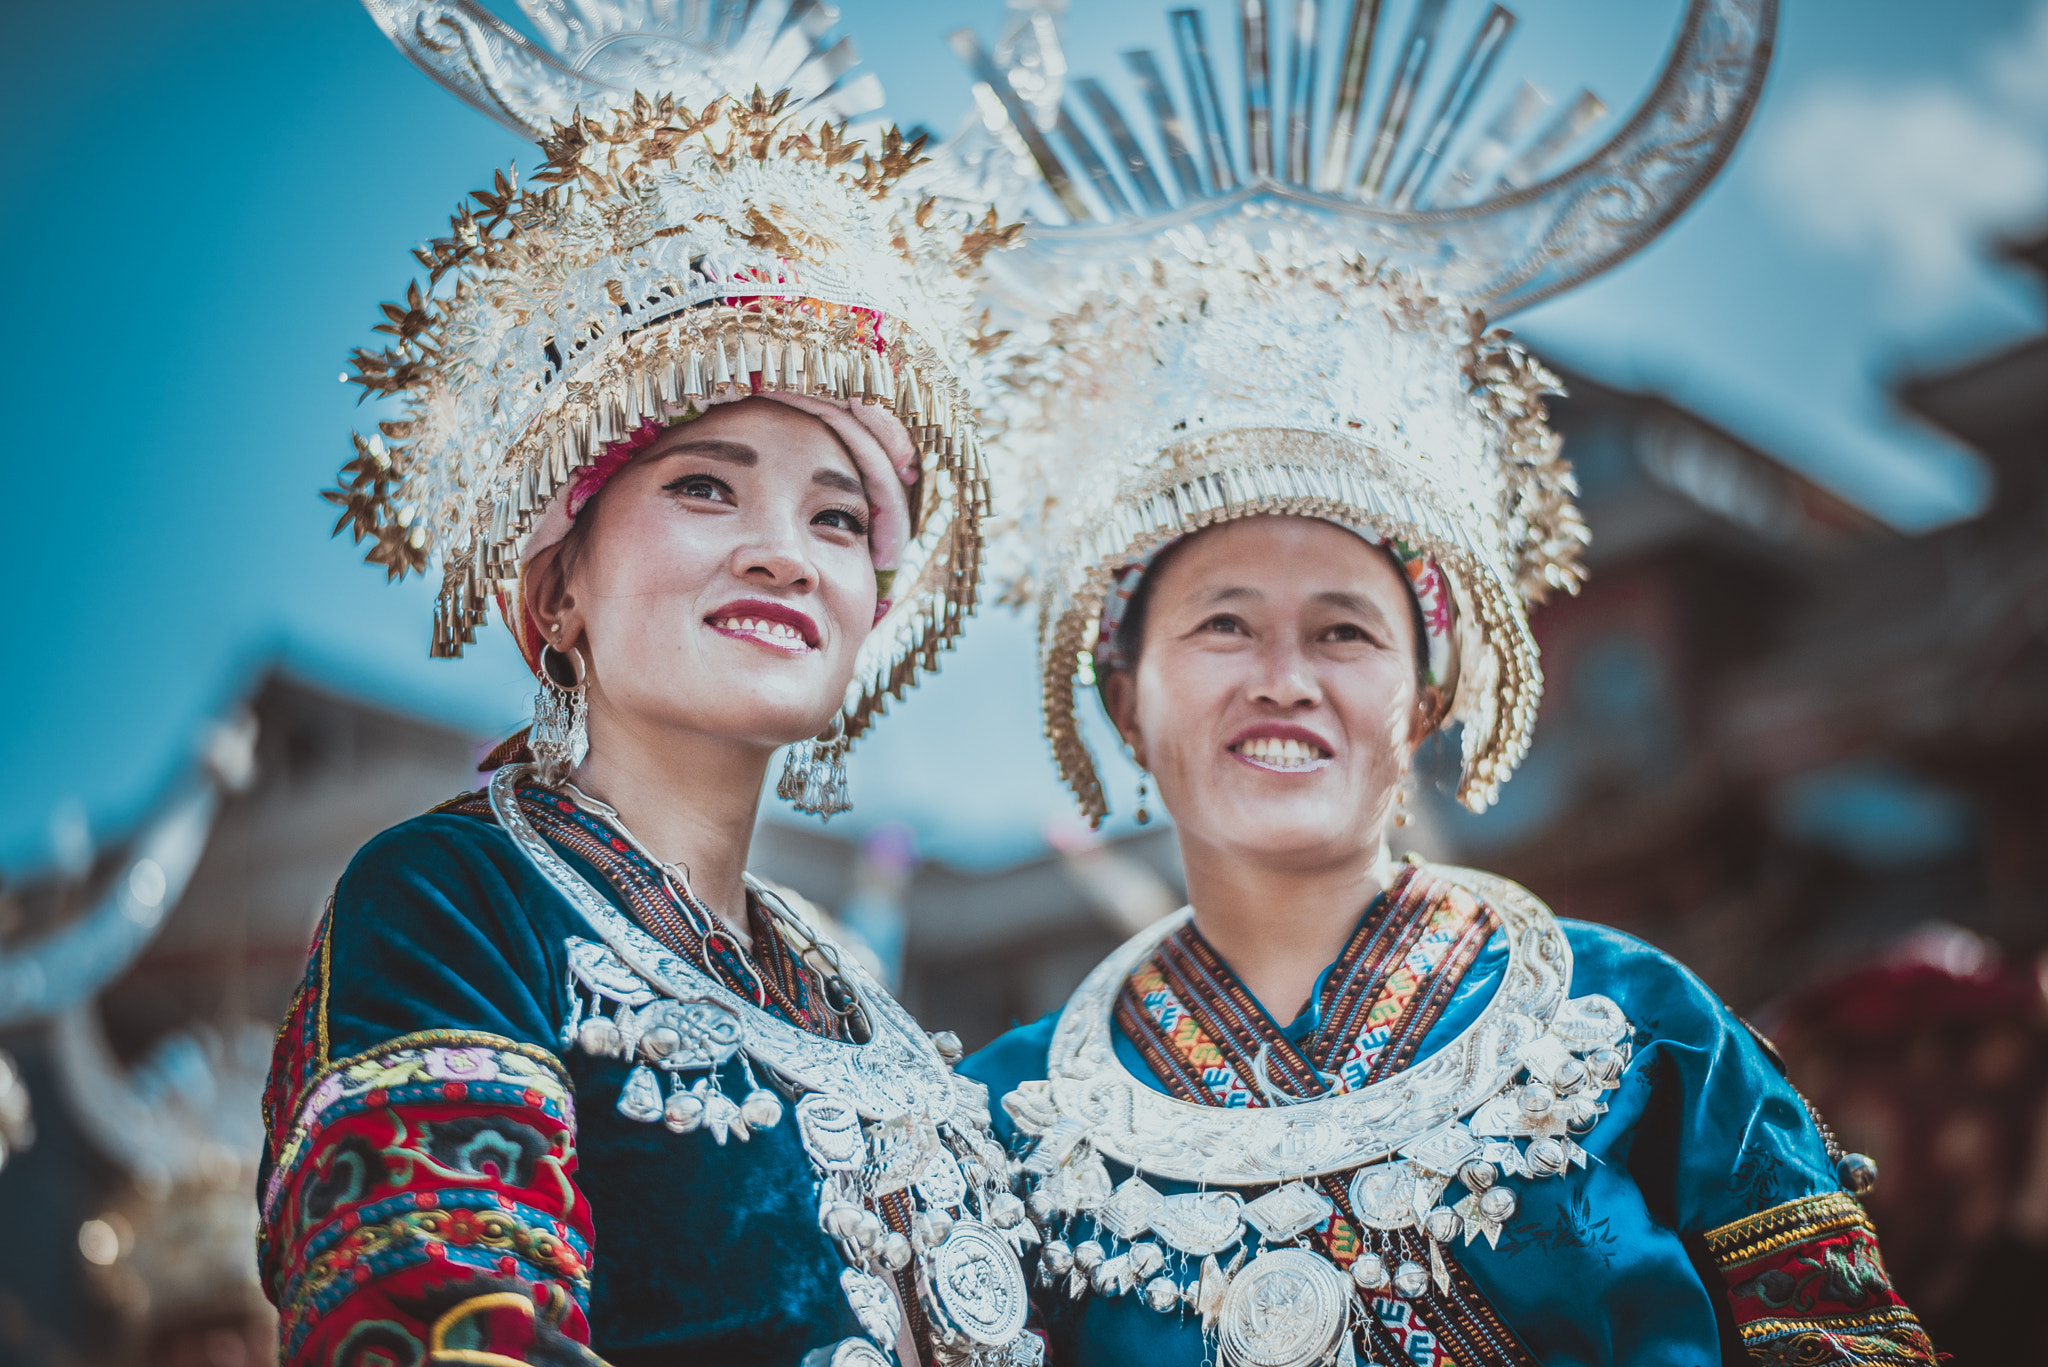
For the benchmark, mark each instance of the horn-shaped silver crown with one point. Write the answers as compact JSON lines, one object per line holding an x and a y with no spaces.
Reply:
{"x":599,"y":52}
{"x":1288,"y":316}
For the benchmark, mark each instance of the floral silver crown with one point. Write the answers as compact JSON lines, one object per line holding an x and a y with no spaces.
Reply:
{"x":664,"y":251}
{"x":1288,"y":332}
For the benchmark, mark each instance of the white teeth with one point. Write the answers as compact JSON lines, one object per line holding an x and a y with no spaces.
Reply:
{"x":1280,"y":754}
{"x":782,"y":633}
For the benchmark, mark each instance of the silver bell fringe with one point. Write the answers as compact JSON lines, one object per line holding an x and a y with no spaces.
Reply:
{"x":814,"y":775}
{"x":561,"y":734}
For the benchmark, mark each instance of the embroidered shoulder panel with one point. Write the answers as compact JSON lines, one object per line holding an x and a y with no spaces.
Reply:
{"x":1809,"y":1289}
{"x":438,"y":1153}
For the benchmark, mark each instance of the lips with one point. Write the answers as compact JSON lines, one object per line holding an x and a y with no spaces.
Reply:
{"x":1282,"y":749}
{"x":775,"y":625}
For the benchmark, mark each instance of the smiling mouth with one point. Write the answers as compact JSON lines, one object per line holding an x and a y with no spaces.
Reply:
{"x":1285,"y":756}
{"x":781,"y":635}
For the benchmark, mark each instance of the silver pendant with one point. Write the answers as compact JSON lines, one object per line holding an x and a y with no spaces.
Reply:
{"x":830,"y":1129}
{"x":1129,"y":1210}
{"x":847,"y":1353}
{"x":974,"y":1284}
{"x":1025,"y":1350}
{"x":1291,"y":1210}
{"x":940,"y":1183}
{"x":1199,"y":1223}
{"x":640,"y":1098}
{"x":873,"y":1304}
{"x":1383,"y":1196}
{"x":1289,"y":1308}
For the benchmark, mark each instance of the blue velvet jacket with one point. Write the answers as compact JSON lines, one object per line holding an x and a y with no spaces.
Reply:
{"x":445,"y":1181}
{"x":1708,"y":1226}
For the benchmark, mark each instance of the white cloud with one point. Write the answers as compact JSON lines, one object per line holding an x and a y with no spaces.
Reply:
{"x":1920,"y":178}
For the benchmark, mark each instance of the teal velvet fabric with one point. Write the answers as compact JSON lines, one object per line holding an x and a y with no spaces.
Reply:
{"x":1603,"y":1268}
{"x":704,"y":1255}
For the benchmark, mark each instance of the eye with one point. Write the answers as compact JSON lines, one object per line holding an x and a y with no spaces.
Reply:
{"x":1346,"y":631}
{"x":852,"y":521}
{"x":1223,"y":624}
{"x":707,"y":487}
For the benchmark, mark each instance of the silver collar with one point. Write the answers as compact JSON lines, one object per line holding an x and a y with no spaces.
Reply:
{"x":1089,"y":1093}
{"x":895,"y":1074}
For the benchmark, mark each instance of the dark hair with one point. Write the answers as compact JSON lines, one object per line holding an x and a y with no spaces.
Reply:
{"x":1130,"y":632}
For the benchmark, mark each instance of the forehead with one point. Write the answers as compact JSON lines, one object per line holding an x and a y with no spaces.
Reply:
{"x":1278,"y":558}
{"x":774,"y":430}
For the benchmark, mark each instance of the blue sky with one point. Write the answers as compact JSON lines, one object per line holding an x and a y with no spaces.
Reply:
{"x":208,"y":200}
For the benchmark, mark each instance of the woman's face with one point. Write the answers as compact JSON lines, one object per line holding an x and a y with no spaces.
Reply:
{"x":1274,"y":698}
{"x":725,"y":583}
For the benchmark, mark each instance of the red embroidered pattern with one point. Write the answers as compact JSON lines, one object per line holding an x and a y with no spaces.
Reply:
{"x":412,"y":1178}
{"x":1809,"y":1288}
{"x":412,"y":1193}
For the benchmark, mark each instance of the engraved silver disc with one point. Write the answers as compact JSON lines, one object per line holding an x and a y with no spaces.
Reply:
{"x":978,"y":1285}
{"x":1287,"y":1309}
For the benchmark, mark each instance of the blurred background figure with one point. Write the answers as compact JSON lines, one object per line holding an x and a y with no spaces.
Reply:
{"x":1933,"y":1059}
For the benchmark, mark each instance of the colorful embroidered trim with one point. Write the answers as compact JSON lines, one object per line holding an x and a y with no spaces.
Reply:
{"x":1211,"y":1042}
{"x":300,"y":1049}
{"x":440,"y":1163}
{"x":1809,"y":1289}
{"x":1200,"y":1030}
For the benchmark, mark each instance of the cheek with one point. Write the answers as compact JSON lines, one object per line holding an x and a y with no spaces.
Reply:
{"x":1182,"y":698}
{"x":1376,"y":704}
{"x":847,"y":586}
{"x":645,"y":555}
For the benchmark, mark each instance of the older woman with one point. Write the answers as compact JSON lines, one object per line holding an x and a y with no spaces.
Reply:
{"x":1341,"y":1109}
{"x":562,"y":1078}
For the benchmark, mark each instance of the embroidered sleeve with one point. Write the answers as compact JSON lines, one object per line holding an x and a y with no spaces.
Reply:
{"x":421,"y":1208}
{"x":418,"y":1195}
{"x":1809,"y":1289}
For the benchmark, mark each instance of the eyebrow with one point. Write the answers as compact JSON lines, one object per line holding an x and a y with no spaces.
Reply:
{"x":717,"y":448}
{"x":1336,"y":598}
{"x":840,"y":480}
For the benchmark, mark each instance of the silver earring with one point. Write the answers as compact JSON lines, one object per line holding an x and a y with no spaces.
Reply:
{"x":814,"y":772}
{"x":561,"y":733}
{"x":1401,"y":805}
{"x":1142,"y":816}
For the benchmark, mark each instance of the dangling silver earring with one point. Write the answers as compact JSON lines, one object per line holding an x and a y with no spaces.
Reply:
{"x":1401,"y":805}
{"x":561,"y":734}
{"x":1142,"y":816}
{"x":814,"y":772}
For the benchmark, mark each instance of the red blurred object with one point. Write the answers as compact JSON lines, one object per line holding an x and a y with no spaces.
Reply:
{"x":1934,"y":1061}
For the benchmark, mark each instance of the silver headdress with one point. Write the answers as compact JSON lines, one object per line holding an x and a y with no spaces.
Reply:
{"x":685,"y":238}
{"x":1300,"y":325}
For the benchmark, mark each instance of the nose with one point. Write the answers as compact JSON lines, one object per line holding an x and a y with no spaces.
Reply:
{"x":1284,"y":678}
{"x":777,"y":554}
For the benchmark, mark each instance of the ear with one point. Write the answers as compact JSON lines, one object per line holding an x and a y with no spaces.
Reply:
{"x":1426,"y":716}
{"x":1120,"y":698}
{"x":550,"y":601}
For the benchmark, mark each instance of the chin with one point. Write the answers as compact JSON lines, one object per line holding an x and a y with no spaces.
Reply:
{"x":1303,"y":826}
{"x":757,"y":707}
